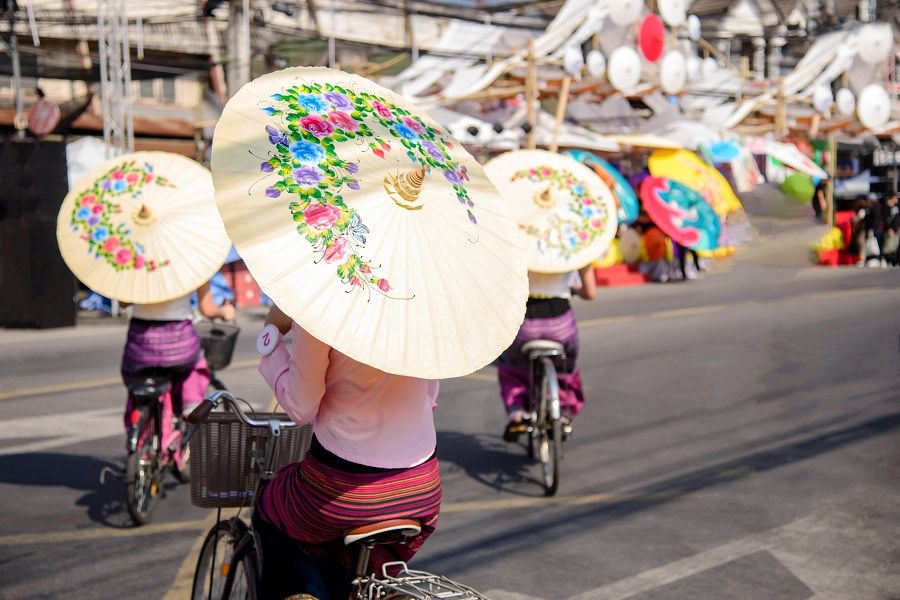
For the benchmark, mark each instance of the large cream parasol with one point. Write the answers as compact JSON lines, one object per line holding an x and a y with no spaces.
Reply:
{"x":143,"y":228}
{"x":367,"y":224}
{"x":565,"y":211}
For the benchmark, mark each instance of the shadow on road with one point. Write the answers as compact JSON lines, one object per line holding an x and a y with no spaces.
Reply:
{"x":662,"y":492}
{"x":490,"y":461}
{"x":104,"y":501}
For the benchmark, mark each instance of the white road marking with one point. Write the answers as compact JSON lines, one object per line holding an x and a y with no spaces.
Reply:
{"x":61,"y":429}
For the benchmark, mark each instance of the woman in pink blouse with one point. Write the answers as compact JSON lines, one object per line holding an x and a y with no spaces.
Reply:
{"x":372,"y":458}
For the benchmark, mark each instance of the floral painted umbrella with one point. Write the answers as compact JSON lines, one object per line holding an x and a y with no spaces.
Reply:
{"x":690,"y":170}
{"x":681,"y":213}
{"x":565,"y":211}
{"x":368,"y":224}
{"x":143,"y":228}
{"x":626,"y":199}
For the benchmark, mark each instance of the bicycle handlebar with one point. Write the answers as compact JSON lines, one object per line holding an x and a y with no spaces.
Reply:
{"x":201,"y":413}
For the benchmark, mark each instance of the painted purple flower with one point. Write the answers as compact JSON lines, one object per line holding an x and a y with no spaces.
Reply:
{"x":432,"y":150}
{"x":338,"y":100}
{"x":265,"y":167}
{"x":353,"y":185}
{"x":93,"y":220}
{"x":271,"y":192}
{"x":472,"y":217}
{"x":307,"y":176}
{"x":107,"y":184}
{"x":276,"y":137}
{"x":352,"y":167}
{"x":452,"y":177}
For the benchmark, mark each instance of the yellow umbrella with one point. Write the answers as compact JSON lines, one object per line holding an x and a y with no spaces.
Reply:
{"x":687,"y":168}
{"x":368,"y":224}
{"x":143,"y":228}
{"x":565,"y":211}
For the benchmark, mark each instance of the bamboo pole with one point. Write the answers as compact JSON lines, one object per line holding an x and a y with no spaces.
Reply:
{"x":560,"y":112}
{"x":531,"y":97}
{"x":780,"y":111}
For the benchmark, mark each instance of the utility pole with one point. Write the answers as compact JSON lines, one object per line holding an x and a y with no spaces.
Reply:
{"x":17,"y":73}
{"x":238,"y":41}
{"x":115,"y":77}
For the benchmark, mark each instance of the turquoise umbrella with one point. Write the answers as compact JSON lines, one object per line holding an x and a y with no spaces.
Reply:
{"x":681,"y":213}
{"x":627,"y":200}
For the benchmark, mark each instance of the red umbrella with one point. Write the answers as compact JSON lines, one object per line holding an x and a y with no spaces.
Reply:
{"x":652,"y":38}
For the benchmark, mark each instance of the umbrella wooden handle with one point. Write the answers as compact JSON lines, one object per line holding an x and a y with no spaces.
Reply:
{"x":544,"y":198}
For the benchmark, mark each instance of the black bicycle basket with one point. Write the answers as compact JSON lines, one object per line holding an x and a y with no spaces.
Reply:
{"x":217,"y":340}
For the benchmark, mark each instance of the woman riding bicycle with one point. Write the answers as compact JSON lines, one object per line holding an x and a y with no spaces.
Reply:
{"x":163,"y":336}
{"x":372,"y":458}
{"x":548,"y":316}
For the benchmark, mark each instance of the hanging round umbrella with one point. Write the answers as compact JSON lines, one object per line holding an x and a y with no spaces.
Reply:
{"x":367,"y":224}
{"x":687,"y":168}
{"x":566,"y":212}
{"x":652,"y":38}
{"x":143,"y":228}
{"x":681,"y":213}
{"x":799,"y":187}
{"x":626,"y":199}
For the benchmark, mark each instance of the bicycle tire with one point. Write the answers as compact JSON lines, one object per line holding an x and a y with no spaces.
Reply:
{"x":218,"y":560}
{"x":550,"y":450}
{"x":142,"y":480}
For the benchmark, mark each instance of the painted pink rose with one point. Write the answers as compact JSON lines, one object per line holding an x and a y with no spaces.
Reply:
{"x":583,"y":236}
{"x":596,"y":223}
{"x":110,"y":244}
{"x":336,"y":251}
{"x":138,"y":262}
{"x":414,"y":125}
{"x":317,"y":126}
{"x":118,"y":174}
{"x":89,"y":199}
{"x":382,"y":110}
{"x":148,"y":177}
{"x":132,"y":177}
{"x":321,"y":216}
{"x":356,"y":281}
{"x":342,"y":120}
{"x":383,"y":285}
{"x":123,"y":256}
{"x":97,"y":209}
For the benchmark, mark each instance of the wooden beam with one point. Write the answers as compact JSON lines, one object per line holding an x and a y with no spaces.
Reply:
{"x":560,"y":113}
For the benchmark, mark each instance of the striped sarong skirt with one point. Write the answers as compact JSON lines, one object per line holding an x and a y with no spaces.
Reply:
{"x":513,"y":368}
{"x":316,"y":503}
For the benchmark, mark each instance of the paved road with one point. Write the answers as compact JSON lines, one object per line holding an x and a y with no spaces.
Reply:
{"x":740,"y":443}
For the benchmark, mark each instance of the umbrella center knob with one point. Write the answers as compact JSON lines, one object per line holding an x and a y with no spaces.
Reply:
{"x":404,"y":188}
{"x":144,"y":216}
{"x":544,"y":198}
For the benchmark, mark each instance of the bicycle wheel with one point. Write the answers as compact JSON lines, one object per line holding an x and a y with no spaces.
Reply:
{"x":550,"y":437}
{"x":142,"y":480}
{"x":226,"y":569}
{"x":181,"y":466}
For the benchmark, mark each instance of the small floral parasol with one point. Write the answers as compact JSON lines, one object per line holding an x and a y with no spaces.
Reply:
{"x":688,"y":169}
{"x":367,"y":224}
{"x":566,"y":213}
{"x":681,"y":213}
{"x":143,"y":228}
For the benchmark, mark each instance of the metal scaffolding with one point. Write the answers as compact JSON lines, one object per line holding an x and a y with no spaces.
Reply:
{"x":115,"y":76}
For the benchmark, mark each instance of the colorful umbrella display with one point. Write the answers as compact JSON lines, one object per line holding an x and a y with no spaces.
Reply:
{"x":799,"y":187}
{"x":368,"y":224}
{"x":681,"y":213}
{"x":687,"y":168}
{"x":627,"y":200}
{"x":565,"y":211}
{"x":143,"y":228}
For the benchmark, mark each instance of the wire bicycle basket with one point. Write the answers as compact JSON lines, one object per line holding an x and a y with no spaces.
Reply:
{"x":226,"y":457}
{"x":418,"y":585}
{"x":218,"y":341}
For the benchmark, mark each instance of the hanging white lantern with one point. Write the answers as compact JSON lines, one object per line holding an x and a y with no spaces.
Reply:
{"x":876,"y":40}
{"x":874,"y":106}
{"x":822,"y":98}
{"x":596,"y":64}
{"x":625,"y":12}
{"x":672,"y":72}
{"x":694,"y":68}
{"x":673,"y":12}
{"x":624,"y":68}
{"x":710,"y":66}
{"x":693,"y":25}
{"x":845,"y":102}
{"x":573,"y":60}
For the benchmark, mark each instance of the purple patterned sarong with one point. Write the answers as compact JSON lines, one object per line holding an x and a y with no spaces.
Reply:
{"x":174,"y":346}
{"x":513,"y":369}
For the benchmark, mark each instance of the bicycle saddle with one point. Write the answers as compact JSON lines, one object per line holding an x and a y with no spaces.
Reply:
{"x":151,"y":387}
{"x":383,"y":532}
{"x":543,"y":348}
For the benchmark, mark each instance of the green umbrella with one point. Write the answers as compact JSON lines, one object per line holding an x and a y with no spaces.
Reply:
{"x":799,"y":187}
